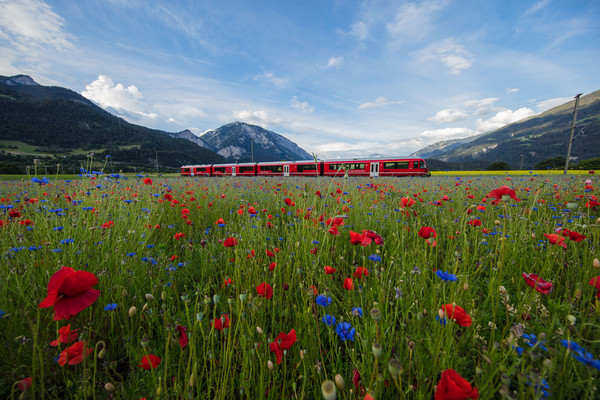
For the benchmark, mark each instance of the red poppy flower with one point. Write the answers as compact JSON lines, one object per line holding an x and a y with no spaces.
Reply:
{"x":538,"y":283}
{"x":70,"y":292}
{"x":14,"y":214}
{"x":427,"y":232}
{"x":556,"y":239}
{"x":360,"y":272}
{"x":595,"y":282}
{"x":149,"y":362}
{"x":272,"y":266}
{"x":348,"y":284}
{"x":407,"y":202}
{"x":148,"y":181}
{"x":230,"y":242}
{"x":220,"y":221}
{"x":65,"y":335}
{"x":179,"y":235}
{"x":75,"y":354}
{"x":183,"y":338}
{"x":108,"y":224}
{"x":457,"y":314}
{"x":572,"y":235}
{"x":281,"y":343}
{"x":221,"y":323}
{"x":452,"y":386}
{"x":502,"y":191}
{"x":25,"y":384}
{"x":270,"y":253}
{"x":369,"y":236}
{"x":592,"y":204}
{"x":289,"y":202}
{"x":251,"y":210}
{"x":265,"y":290}
{"x":355,"y":238}
{"x":474,"y":222}
{"x":329,"y":270}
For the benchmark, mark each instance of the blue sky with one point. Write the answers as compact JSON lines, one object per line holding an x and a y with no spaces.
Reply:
{"x":339,"y":78}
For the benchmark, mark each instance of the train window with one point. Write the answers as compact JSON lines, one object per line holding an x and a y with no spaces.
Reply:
{"x":271,"y":168}
{"x":306,"y":167}
{"x":415,"y":164}
{"x":422,"y":164}
{"x":396,"y":165}
{"x":357,"y":166}
{"x":219,"y":169}
{"x":246,"y":169}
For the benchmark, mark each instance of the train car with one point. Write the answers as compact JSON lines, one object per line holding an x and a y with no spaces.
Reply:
{"x":304,"y":168}
{"x":201,"y":170}
{"x":273,"y":168}
{"x":384,"y":167}
{"x":186,"y":170}
{"x":245,"y":169}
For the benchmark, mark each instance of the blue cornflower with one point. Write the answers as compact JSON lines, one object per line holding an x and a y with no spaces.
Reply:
{"x":2,"y":312}
{"x":131,"y":254}
{"x":581,"y":354}
{"x":345,"y":331}
{"x":518,"y":349}
{"x":110,"y":307}
{"x":375,"y":257}
{"x":328,"y":320}
{"x":58,"y":228}
{"x":323,"y":301}
{"x":532,"y":341}
{"x":357,"y":312}
{"x":67,"y":241}
{"x":445,"y":276}
{"x":442,"y":321}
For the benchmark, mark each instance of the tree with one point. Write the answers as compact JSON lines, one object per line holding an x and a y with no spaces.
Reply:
{"x":498,"y":166}
{"x":551,"y":163}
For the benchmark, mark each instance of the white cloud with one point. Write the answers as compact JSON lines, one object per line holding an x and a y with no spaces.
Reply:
{"x":502,"y":118}
{"x":360,"y":30}
{"x":260,"y":117}
{"x":447,"y":52}
{"x":123,"y":99}
{"x":551,"y":103}
{"x":413,"y":21}
{"x":448,"y":133}
{"x":271,"y":78}
{"x":33,"y":23}
{"x":537,"y":7}
{"x":334,"y":62}
{"x":482,"y":106}
{"x":449,"y":115}
{"x":301,"y":106}
{"x":511,"y":90}
{"x":379,"y":102}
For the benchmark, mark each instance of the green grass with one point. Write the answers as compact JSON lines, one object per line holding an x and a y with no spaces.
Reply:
{"x":133,"y":260}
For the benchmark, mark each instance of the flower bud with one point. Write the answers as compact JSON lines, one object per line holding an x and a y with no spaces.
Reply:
{"x":339,"y":381}
{"x":376,"y":349}
{"x":376,"y":314}
{"x":199,"y":316}
{"x":259,"y":330}
{"x":109,"y":387}
{"x":216,"y":298}
{"x":149,"y":297}
{"x":596,"y":263}
{"x":102,"y":353}
{"x":441,"y":313}
{"x":328,"y":390}
{"x":132,"y":311}
{"x":394,"y":367}
{"x":571,"y":319}
{"x":270,"y":364}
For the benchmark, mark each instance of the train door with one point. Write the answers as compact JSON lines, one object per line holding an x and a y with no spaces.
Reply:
{"x":375,"y":168}
{"x":232,"y":171}
{"x":286,"y":170}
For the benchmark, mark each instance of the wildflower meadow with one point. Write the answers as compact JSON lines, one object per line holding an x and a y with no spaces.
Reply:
{"x":131,"y":287}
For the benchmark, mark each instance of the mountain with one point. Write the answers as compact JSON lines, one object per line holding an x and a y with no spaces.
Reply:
{"x":58,"y":125}
{"x":532,"y":140}
{"x":235,"y":142}
{"x":189,"y":135}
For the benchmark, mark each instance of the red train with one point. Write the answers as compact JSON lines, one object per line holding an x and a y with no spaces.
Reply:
{"x":365,"y":167}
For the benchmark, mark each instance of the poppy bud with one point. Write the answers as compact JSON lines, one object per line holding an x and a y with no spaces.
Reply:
{"x":466,"y":286}
{"x":199,"y":316}
{"x":376,"y":314}
{"x":596,"y":263}
{"x":124,"y":293}
{"x":242,"y":296}
{"x":109,"y":387}
{"x":533,"y":235}
{"x":548,"y":364}
{"x":259,"y":330}
{"x":394,"y":367}
{"x":339,"y":381}
{"x":302,"y":354}
{"x":441,"y":313}
{"x":102,"y":353}
{"x":328,"y":390}
{"x":496,"y":222}
{"x":132,"y":311}
{"x":572,"y":319}
{"x":216,"y":298}
{"x":149,"y":297}
{"x":376,"y":349}
{"x":425,"y":312}
{"x":230,"y":300}
{"x":270,"y":364}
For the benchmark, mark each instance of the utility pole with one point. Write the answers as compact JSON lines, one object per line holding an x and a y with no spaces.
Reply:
{"x":252,"y":148}
{"x":572,"y":131}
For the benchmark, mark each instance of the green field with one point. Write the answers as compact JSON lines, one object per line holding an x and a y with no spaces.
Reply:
{"x":247,"y":288}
